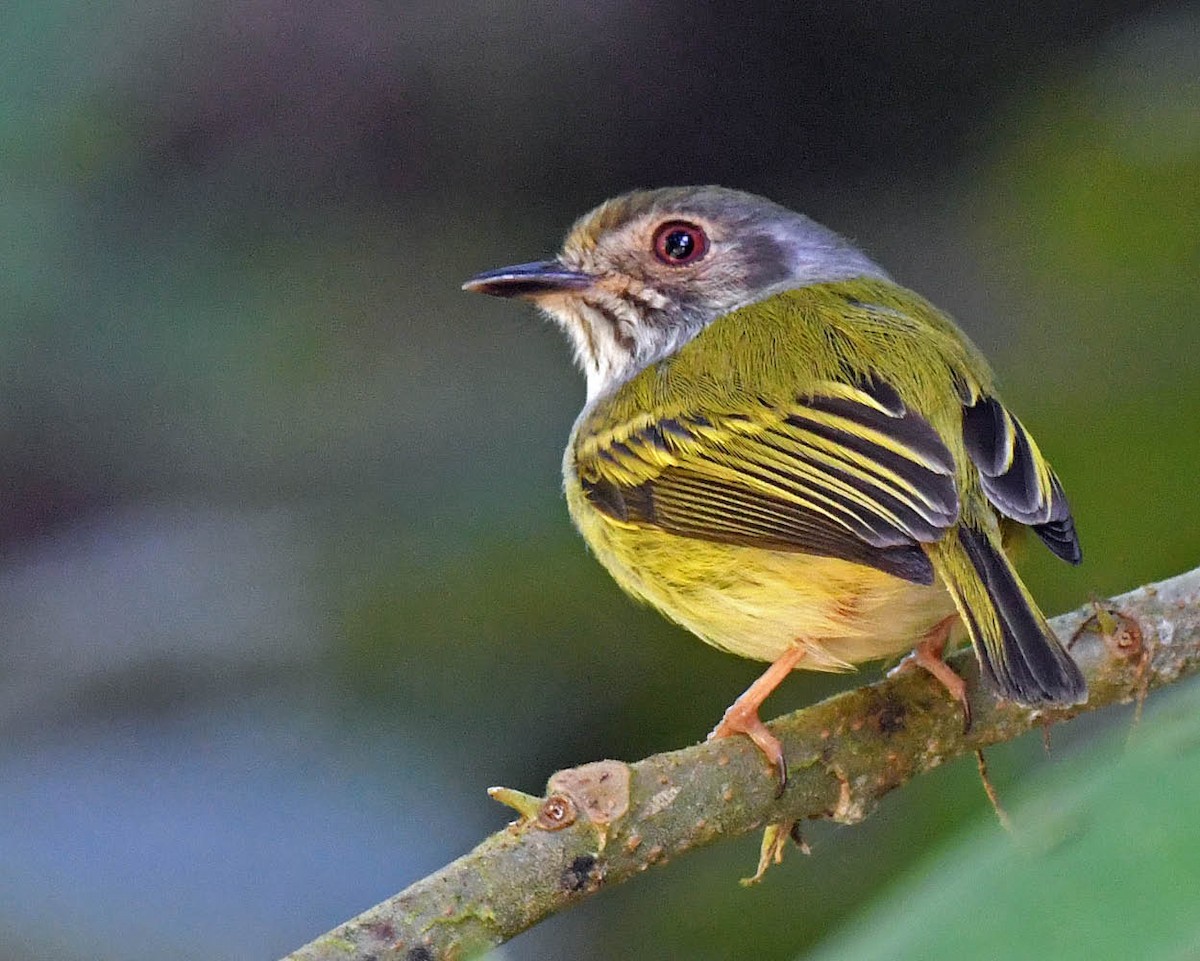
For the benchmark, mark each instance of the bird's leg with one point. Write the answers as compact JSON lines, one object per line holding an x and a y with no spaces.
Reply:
{"x":742,"y":715}
{"x":928,"y":655}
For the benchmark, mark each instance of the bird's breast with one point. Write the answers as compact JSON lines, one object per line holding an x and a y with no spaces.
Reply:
{"x":756,"y":603}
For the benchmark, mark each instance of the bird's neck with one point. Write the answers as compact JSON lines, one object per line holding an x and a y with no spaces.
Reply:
{"x":612,"y":343}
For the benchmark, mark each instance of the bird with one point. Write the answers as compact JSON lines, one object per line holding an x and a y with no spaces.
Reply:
{"x":790,"y":454}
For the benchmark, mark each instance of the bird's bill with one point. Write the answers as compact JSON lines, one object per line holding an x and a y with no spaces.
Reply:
{"x":528,"y":280}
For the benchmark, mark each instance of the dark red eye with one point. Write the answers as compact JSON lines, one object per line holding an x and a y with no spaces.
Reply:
{"x":677,"y":243}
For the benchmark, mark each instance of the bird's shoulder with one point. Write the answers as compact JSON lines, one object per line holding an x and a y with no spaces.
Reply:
{"x":751,"y":366}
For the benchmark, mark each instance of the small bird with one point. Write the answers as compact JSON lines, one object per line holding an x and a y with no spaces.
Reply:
{"x":791,"y":455}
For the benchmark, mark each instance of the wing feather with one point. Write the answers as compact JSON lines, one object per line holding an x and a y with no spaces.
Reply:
{"x":1016,"y":477}
{"x":848,"y":471}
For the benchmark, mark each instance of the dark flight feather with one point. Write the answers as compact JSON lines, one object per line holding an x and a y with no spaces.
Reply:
{"x":1030,"y":666}
{"x":1015,"y":477}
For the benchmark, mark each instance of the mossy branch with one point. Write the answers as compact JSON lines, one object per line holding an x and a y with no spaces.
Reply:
{"x":603,"y":823}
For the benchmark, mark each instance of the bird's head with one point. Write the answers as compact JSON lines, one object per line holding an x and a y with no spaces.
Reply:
{"x":644,"y":273}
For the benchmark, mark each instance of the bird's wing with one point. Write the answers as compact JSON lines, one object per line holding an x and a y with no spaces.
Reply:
{"x":847,"y":471}
{"x":1014,"y":474}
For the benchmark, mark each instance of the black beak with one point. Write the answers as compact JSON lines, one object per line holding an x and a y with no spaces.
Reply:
{"x":528,"y":280}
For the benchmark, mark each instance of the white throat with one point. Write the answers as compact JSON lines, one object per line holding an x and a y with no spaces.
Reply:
{"x":611,"y":342}
{"x":603,"y":343}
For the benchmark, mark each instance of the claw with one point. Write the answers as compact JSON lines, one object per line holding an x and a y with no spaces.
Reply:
{"x":744,"y":719}
{"x":742,"y":715}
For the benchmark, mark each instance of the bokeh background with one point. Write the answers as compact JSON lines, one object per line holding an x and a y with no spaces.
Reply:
{"x":286,"y":579}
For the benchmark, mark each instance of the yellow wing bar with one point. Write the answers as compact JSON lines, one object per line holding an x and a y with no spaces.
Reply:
{"x":849,"y":472}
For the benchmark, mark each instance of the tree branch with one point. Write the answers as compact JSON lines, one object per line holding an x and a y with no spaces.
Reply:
{"x":603,"y":823}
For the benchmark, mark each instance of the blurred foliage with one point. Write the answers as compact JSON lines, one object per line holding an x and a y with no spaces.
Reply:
{"x":1094,"y":201}
{"x":1104,"y":863}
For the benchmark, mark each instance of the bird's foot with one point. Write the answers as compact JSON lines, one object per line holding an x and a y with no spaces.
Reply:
{"x":928,"y":654}
{"x":742,"y":715}
{"x":743,"y":719}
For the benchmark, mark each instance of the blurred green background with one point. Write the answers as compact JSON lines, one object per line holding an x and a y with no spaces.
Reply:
{"x":286,"y":579}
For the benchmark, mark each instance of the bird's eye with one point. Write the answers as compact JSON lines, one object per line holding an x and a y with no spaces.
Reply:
{"x":677,"y":243}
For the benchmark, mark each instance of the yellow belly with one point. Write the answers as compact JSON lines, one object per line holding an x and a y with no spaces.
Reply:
{"x":757,"y":603}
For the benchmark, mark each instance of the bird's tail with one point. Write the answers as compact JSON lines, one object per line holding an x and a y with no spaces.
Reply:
{"x":1019,"y":656}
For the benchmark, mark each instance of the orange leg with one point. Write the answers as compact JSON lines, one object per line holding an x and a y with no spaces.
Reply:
{"x":928,"y":655}
{"x":742,"y":715}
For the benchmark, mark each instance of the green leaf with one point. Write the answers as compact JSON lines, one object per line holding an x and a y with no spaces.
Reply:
{"x":1104,"y":863}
